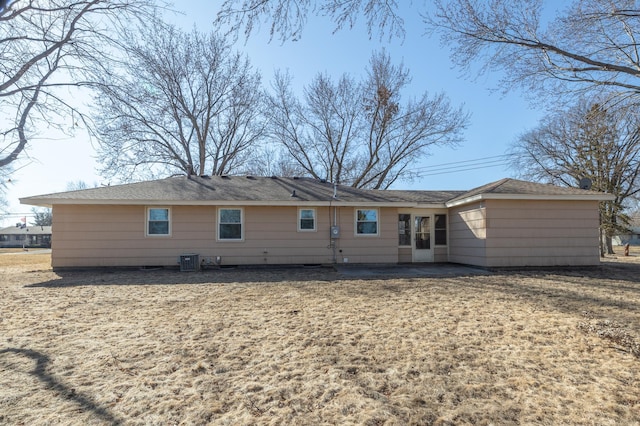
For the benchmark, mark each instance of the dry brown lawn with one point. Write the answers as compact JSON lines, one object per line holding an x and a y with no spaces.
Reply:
{"x":306,"y":346}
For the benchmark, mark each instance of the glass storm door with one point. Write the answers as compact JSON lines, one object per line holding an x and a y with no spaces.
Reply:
{"x":422,"y":244}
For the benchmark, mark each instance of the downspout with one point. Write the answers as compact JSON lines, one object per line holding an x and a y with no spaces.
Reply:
{"x":335,"y":222}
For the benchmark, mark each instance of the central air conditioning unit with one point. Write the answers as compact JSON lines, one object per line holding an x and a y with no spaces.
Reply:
{"x":189,"y":262}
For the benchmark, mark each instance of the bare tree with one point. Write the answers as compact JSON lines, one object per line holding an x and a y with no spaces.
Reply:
{"x":79,"y":184}
{"x":587,"y":141}
{"x":42,"y":216}
{"x":287,"y":18}
{"x":272,"y":160}
{"x":45,"y":47}
{"x":183,"y":103}
{"x":361,"y":133}
{"x":592,"y":45}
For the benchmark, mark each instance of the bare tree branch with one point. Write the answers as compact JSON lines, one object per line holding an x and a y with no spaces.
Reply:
{"x":184,"y":103}
{"x":287,"y":18}
{"x":591,"y":46}
{"x":361,"y":133}
{"x":46,"y":46}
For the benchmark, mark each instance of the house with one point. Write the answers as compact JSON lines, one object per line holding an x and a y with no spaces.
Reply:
{"x":247,"y":220}
{"x":25,"y":236}
{"x":631,"y":238}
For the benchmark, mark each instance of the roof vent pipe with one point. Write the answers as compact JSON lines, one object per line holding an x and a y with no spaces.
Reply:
{"x":293,"y":194}
{"x":335,"y":190}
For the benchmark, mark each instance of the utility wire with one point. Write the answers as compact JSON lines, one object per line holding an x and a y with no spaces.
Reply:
{"x":465,"y":165}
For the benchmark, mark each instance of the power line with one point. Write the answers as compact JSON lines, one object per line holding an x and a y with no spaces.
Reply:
{"x":462,"y":166}
{"x":462,"y":170}
{"x":466,"y":161}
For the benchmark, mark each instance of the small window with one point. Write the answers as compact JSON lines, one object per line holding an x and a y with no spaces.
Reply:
{"x":4,"y":237}
{"x":306,"y":220}
{"x":441,"y":229}
{"x":404,"y":229}
{"x":230,"y":224}
{"x":366,"y":222}
{"x":158,"y":221}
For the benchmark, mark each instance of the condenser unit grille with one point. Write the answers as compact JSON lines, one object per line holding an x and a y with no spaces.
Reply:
{"x":189,"y":262}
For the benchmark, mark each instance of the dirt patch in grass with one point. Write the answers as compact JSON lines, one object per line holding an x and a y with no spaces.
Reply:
{"x":303,"y":346}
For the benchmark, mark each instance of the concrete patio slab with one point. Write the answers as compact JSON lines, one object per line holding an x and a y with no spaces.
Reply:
{"x":404,"y":271}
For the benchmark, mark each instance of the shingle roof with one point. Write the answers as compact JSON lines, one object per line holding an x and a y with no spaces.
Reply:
{"x":515,"y":188}
{"x":240,"y":189}
{"x":280,"y":191}
{"x":31,"y":230}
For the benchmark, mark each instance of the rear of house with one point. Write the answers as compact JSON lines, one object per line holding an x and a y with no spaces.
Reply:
{"x":132,"y":235}
{"x":237,"y":220}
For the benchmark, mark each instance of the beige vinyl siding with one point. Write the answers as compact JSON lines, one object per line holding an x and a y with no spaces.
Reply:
{"x":405,"y":254}
{"x":114,"y":235}
{"x":381,"y":248}
{"x":542,"y":233}
{"x":440,"y":254}
{"x":271,"y":237}
{"x":513,"y":233}
{"x":467,"y":234}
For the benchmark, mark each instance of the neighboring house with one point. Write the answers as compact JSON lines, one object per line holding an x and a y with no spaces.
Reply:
{"x":25,"y":236}
{"x":632,"y":238}
{"x":246,"y":220}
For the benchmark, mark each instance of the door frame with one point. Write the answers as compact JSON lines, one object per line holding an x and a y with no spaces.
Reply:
{"x":422,"y":255}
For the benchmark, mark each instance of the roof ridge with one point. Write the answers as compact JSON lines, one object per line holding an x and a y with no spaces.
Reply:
{"x":497,"y":184}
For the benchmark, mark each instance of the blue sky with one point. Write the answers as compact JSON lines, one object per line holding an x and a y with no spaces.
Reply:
{"x":496,"y":119}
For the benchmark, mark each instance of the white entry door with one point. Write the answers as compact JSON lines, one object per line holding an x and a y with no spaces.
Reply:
{"x":421,"y":238}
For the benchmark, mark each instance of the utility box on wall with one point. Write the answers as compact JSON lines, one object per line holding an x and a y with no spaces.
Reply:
{"x":335,"y":232}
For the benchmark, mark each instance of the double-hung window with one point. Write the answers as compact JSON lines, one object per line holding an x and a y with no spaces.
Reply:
{"x":158,"y":221}
{"x":230,"y":224}
{"x":441,"y":229}
{"x":366,"y":222}
{"x":306,"y":219}
{"x":404,"y":229}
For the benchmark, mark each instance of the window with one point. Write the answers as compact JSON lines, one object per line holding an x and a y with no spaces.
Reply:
{"x":4,"y":237}
{"x":441,"y":229}
{"x":158,"y":221}
{"x":366,"y":222}
{"x":306,"y":220}
{"x":230,"y":224}
{"x":422,"y":232}
{"x":404,"y":229}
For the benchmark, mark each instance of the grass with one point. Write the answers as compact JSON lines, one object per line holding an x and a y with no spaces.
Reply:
{"x":306,"y":346}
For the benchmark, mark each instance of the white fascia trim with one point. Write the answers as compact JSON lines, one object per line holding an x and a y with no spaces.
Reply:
{"x":334,"y":203}
{"x":524,"y":197}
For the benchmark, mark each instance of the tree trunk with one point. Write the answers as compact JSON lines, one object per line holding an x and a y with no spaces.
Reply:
{"x":609,"y":244}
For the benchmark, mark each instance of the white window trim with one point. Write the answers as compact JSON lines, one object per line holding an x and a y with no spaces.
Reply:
{"x":446,"y":229}
{"x":315,"y":219}
{"x":410,"y":219}
{"x":355,"y":222}
{"x":146,"y":222}
{"x":230,"y":240}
